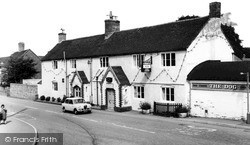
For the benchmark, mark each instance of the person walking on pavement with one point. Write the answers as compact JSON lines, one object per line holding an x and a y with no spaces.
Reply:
{"x":3,"y":114}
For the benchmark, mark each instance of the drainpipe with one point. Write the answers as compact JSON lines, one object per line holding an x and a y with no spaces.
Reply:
{"x":189,"y":83}
{"x":66,"y":78}
{"x":97,"y":90}
{"x":91,"y":80}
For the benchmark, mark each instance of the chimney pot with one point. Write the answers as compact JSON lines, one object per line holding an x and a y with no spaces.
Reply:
{"x":215,"y":10}
{"x":20,"y":46}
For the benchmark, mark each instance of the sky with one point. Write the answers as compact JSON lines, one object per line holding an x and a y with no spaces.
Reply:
{"x":38,"y":22}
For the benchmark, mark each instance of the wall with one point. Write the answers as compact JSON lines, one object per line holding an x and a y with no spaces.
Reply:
{"x":5,"y":91}
{"x":229,"y":104}
{"x":23,"y":91}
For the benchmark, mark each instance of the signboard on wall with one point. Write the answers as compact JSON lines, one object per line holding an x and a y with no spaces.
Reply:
{"x":218,"y":86}
{"x":146,"y":65}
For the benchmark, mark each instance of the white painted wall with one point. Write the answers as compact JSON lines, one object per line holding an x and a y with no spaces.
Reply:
{"x":200,"y":50}
{"x":219,"y":104}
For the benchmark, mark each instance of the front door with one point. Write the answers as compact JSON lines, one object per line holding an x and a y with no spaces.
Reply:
{"x":111,"y":98}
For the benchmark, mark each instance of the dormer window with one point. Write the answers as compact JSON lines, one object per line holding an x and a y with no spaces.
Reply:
{"x":54,"y":64}
{"x":168,"y":59}
{"x":138,"y":59}
{"x":73,"y":63}
{"x":104,"y":61}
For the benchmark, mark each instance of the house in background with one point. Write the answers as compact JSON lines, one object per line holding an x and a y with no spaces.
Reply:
{"x":28,"y":54}
{"x":25,"y":54}
{"x":121,"y":69}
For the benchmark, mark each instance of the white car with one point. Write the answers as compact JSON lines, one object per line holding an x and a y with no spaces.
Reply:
{"x":76,"y":105}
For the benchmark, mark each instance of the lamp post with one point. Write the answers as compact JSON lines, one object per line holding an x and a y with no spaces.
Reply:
{"x":248,"y":113}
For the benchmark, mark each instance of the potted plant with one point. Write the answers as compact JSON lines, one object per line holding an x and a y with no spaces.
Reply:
{"x":182,"y":112}
{"x":145,"y":107}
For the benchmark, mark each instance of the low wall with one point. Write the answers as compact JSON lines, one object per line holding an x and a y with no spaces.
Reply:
{"x":5,"y":91}
{"x":23,"y":91}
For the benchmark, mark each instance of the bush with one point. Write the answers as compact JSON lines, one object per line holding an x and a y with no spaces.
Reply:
{"x":36,"y":97}
{"x":42,"y":97}
{"x":53,"y":99}
{"x":47,"y":98}
{"x":59,"y":99}
{"x":182,"y":109}
{"x":64,"y":98}
{"x":145,"y":105}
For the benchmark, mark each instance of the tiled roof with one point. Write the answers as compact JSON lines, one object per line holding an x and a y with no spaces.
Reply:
{"x":121,"y":76}
{"x":175,"y":36}
{"x":83,"y":77}
{"x":233,"y":40}
{"x":246,"y":51}
{"x":19,"y":54}
{"x":220,"y":71}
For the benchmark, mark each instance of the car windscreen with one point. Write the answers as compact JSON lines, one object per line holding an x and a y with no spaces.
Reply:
{"x":76,"y":101}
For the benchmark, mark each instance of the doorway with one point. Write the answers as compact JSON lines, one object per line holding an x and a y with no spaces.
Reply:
{"x":110,"y":94}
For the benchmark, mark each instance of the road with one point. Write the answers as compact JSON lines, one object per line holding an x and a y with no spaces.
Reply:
{"x":113,"y":128}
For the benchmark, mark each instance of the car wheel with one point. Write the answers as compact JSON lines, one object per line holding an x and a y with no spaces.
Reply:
{"x":63,"y":109}
{"x":75,"y":112}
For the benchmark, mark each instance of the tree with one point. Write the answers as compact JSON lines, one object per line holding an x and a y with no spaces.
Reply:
{"x":18,"y":69}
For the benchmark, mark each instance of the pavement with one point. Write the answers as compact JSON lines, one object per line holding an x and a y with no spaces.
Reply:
{"x":16,"y":127}
{"x":239,"y":124}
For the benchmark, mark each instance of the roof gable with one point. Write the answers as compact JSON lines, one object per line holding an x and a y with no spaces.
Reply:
{"x":119,"y":75}
{"x":220,"y":71}
{"x":81,"y":76}
{"x":175,"y":36}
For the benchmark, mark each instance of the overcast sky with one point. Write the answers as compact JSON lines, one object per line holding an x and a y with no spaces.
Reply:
{"x":38,"y":22}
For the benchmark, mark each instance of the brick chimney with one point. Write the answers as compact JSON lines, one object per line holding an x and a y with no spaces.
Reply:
{"x":20,"y":46}
{"x":111,"y":25}
{"x":61,"y":36}
{"x":215,"y":10}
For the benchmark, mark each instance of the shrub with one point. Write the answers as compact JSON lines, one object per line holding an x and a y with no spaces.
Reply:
{"x":42,"y":97}
{"x":36,"y":97}
{"x":64,"y":98}
{"x":182,"y":109}
{"x":145,"y":105}
{"x":59,"y":99}
{"x":53,"y":99}
{"x":47,"y":98}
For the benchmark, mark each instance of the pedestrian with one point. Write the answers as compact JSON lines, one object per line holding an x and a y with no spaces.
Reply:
{"x":4,"y":114}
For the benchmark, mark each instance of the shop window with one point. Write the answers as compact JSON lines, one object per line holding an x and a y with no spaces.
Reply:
{"x":168,"y":59}
{"x":138,"y":91}
{"x":138,"y":59}
{"x":168,"y":94}
{"x":104,"y":61}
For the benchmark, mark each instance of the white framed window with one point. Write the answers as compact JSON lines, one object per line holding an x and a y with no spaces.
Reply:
{"x":168,"y":94}
{"x":139,"y":92}
{"x":73,"y":63}
{"x":55,"y":86}
{"x":54,"y":64}
{"x":77,"y":91}
{"x":138,"y":59}
{"x":168,"y":59}
{"x":104,"y":61}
